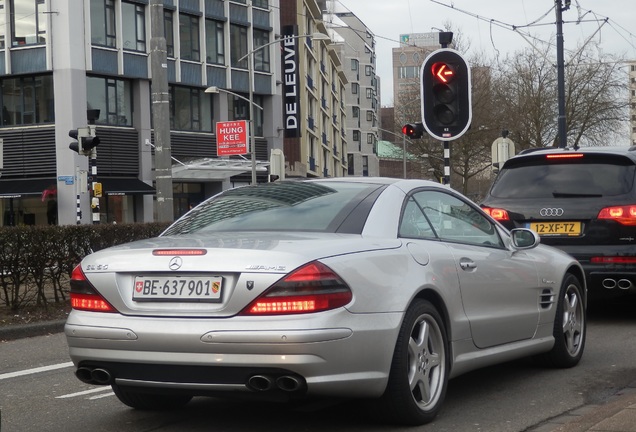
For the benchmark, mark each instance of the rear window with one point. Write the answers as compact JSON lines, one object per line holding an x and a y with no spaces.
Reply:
{"x":538,"y":177}
{"x":285,"y":206}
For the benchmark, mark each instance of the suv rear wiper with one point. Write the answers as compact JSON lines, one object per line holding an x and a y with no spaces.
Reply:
{"x":575,"y":195}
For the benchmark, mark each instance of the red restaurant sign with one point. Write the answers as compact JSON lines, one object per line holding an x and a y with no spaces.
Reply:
{"x":231,"y":138}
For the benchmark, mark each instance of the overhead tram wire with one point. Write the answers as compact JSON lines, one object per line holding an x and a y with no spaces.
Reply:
{"x":529,"y":38}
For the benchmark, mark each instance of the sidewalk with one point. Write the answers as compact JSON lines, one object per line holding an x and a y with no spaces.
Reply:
{"x":617,"y":414}
{"x":13,"y":332}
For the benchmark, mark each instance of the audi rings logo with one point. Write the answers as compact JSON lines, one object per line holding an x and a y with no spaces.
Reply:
{"x":551,"y":212}
{"x":175,"y":263}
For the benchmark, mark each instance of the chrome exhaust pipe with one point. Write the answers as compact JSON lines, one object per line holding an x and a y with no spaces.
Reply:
{"x":625,"y":284}
{"x":84,"y":375}
{"x":260,"y":383}
{"x":288,"y":383}
{"x":609,"y":283}
{"x":101,"y":376}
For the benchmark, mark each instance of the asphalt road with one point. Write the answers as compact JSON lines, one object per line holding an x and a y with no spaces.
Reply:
{"x":38,"y":392}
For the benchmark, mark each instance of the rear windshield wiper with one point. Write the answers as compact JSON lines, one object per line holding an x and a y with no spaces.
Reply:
{"x":575,"y":195}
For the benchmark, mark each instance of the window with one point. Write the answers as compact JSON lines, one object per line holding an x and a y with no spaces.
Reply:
{"x":409,"y":72}
{"x":369,"y":116}
{"x":2,"y":23}
{"x":369,"y":93}
{"x":133,"y":26}
{"x":261,"y":56}
{"x":27,"y":100}
{"x":168,"y":29}
{"x":241,"y":111}
{"x":112,"y":97}
{"x":189,"y":37}
{"x":260,"y":3}
{"x":355,"y":112}
{"x":355,"y":88}
{"x":103,"y":23}
{"x":28,"y":22}
{"x":370,"y":138}
{"x":238,"y":45}
{"x":432,"y":214}
{"x":355,"y":64}
{"x":356,"y":135}
{"x":214,"y":42}
{"x":368,"y":70}
{"x":190,"y":109}
{"x":289,"y":206}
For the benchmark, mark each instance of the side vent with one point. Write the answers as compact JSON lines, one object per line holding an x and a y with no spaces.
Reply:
{"x":547,"y":298}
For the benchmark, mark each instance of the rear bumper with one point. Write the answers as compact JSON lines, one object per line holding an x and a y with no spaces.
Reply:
{"x":330,"y":354}
{"x":605,"y":277}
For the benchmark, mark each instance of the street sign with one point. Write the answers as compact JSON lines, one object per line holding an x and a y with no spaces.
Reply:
{"x":502,"y":149}
{"x":97,"y":189}
{"x":231,"y":138}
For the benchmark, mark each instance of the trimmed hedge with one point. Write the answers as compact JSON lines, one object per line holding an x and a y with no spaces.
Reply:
{"x":36,"y":261}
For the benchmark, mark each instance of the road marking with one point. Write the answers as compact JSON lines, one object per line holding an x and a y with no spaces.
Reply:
{"x":35,"y":370}
{"x":102,"y":396}
{"x":85,"y":392}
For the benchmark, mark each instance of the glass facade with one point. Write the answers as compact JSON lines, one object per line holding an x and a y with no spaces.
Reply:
{"x":28,"y":22}
{"x":27,"y":100}
{"x":112,"y":97}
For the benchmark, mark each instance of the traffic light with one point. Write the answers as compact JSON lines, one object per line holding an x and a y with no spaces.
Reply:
{"x":86,"y":140}
{"x":413,"y":130}
{"x":446,"y":94}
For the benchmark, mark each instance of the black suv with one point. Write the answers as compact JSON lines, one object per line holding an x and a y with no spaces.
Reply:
{"x":582,"y":201}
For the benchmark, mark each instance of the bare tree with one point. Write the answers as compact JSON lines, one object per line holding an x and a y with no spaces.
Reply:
{"x":596,"y":97}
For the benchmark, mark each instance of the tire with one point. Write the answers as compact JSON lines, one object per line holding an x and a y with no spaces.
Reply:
{"x":419,"y":371}
{"x":144,"y":400}
{"x":570,"y":323}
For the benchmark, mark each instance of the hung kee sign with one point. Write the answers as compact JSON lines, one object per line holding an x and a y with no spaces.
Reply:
{"x":231,"y":138}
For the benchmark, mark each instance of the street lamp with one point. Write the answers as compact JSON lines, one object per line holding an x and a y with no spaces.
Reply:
{"x":217,"y":90}
{"x":250,"y":69}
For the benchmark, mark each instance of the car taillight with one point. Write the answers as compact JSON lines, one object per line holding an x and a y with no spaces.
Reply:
{"x":565,"y":156}
{"x":625,"y":215}
{"x":84,"y":296}
{"x":497,"y":214}
{"x":613,"y":260}
{"x":313,"y":287}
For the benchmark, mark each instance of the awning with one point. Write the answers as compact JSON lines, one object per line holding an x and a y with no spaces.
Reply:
{"x":18,"y":188}
{"x":209,"y":169}
{"x":124,"y":186}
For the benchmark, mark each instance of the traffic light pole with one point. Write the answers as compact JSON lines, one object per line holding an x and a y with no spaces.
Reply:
{"x":93,"y":182}
{"x":447,"y":163}
{"x":562,"y":125}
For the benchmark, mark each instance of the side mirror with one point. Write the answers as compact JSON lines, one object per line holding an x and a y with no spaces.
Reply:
{"x":523,"y":238}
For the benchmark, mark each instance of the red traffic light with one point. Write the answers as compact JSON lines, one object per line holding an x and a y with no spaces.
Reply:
{"x":413,"y":130}
{"x":443,"y":72}
{"x":446,"y":94}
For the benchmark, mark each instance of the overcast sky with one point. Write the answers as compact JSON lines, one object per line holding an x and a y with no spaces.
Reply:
{"x":387,"y":19}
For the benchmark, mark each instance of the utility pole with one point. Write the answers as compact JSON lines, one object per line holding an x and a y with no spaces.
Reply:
{"x":161,"y":113}
{"x":562,"y":127}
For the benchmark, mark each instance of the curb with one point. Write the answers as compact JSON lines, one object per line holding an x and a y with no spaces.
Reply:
{"x":617,"y":413}
{"x":9,"y":332}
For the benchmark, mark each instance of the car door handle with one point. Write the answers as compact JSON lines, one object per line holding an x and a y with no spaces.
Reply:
{"x":467,"y":265}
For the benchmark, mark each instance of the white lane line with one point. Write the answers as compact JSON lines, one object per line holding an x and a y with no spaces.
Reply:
{"x":85,"y":392}
{"x":102,"y":396}
{"x":35,"y":370}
